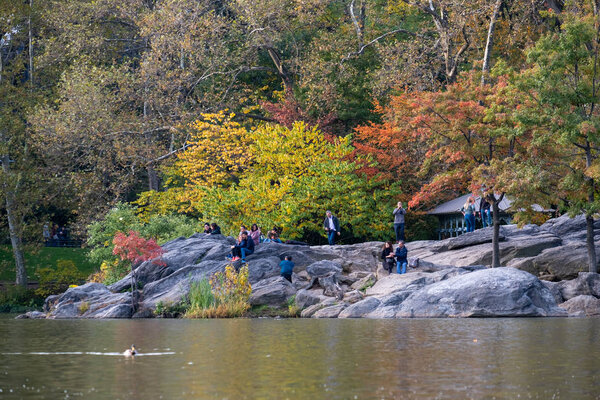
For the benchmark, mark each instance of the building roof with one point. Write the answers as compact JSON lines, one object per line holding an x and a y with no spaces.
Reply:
{"x":454,"y":206}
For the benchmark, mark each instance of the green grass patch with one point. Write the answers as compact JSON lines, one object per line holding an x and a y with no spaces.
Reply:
{"x":43,"y":257}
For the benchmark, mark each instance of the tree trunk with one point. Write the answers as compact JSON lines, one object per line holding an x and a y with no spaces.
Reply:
{"x":490,"y":41}
{"x":591,"y":247}
{"x":496,"y":235}
{"x":13,"y":228}
{"x":153,"y":179}
{"x":133,"y":290}
{"x":30,"y":45}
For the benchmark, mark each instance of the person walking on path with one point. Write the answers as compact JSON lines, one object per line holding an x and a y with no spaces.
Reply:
{"x":401,"y":257}
{"x":387,"y":256}
{"x":287,"y":268}
{"x":468,"y":211}
{"x":485,"y":212}
{"x":332,"y":227}
{"x":399,"y":221}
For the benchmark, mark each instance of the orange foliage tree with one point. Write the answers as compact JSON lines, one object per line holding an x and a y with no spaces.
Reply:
{"x":441,"y":143}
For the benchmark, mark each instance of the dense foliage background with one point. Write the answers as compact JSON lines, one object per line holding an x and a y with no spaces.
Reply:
{"x":272,"y":111}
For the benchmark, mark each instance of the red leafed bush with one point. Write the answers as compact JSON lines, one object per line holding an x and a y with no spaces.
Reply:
{"x":136,"y":249}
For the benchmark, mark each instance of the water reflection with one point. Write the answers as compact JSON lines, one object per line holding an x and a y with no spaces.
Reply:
{"x":320,"y":359}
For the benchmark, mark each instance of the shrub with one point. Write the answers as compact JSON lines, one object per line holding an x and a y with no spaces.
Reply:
{"x":169,"y":310}
{"x":227,"y":298}
{"x":15,"y":298}
{"x":83,"y":307}
{"x":124,"y":218}
{"x":57,"y":280}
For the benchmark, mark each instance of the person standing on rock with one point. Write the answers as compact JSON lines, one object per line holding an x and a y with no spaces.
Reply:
{"x":399,"y":212}
{"x":485,"y":212}
{"x":468,"y":211}
{"x":401,"y":257}
{"x":332,"y":227}
{"x":287,"y":268}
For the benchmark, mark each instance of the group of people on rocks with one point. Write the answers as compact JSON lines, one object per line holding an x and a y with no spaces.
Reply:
{"x":470,"y":212}
{"x":248,"y":240}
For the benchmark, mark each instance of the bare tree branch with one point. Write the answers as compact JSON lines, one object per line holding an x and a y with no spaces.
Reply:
{"x":372,"y":42}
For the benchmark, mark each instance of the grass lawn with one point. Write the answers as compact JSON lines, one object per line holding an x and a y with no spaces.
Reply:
{"x":40,"y":257}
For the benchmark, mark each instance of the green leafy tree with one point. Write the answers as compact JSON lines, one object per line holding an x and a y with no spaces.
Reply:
{"x":563,"y":83}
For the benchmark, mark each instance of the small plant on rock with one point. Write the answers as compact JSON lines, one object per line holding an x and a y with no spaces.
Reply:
{"x":225,"y":295}
{"x":136,"y":250}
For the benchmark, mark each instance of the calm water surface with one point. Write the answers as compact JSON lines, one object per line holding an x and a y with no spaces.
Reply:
{"x":301,"y":359}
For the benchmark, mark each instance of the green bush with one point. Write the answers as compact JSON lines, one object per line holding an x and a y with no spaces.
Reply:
{"x":226,"y":295}
{"x":201,"y":296}
{"x":17,"y":299}
{"x":124,"y":218}
{"x":57,"y":280}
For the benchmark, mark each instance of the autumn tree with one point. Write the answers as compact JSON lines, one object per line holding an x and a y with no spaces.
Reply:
{"x":562,"y":83}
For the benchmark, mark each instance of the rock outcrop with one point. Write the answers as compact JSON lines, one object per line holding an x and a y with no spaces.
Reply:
{"x":448,"y":278}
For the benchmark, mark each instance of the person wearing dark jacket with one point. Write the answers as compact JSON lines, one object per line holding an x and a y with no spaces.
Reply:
{"x":287,"y":268}
{"x":207,"y":228}
{"x":244,"y":248}
{"x":332,"y":227}
{"x":399,"y":221}
{"x":486,"y":212}
{"x":387,"y":256}
{"x":215,"y":229}
{"x":401,"y":257}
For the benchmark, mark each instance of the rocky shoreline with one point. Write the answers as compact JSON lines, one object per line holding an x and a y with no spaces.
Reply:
{"x":543,"y":277}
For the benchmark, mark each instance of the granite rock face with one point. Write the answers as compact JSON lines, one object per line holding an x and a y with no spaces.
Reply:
{"x":498,"y":292}
{"x":582,"y":306}
{"x":448,"y":278}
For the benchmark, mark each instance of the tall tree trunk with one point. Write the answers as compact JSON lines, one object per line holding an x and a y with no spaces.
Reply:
{"x":30,"y":45}
{"x":13,"y":227}
{"x":490,"y":42}
{"x":153,"y":179}
{"x":591,"y":247}
{"x":496,"y":236}
{"x":589,"y":218}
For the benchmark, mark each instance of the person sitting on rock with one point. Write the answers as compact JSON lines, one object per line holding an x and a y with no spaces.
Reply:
{"x":215,"y":229}
{"x":401,"y":257}
{"x":255,"y":234}
{"x":287,"y":268}
{"x":387,"y":256}
{"x":272,"y":238}
{"x":244,"y":248}
{"x":207,"y":228}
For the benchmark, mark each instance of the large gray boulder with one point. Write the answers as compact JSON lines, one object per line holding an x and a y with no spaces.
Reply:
{"x":586,"y":283}
{"x":582,"y":306}
{"x":360,"y":309}
{"x":92,"y":300}
{"x":570,"y":229}
{"x":466,"y":240}
{"x":498,"y":292}
{"x":306,"y":298}
{"x":330,"y":312}
{"x":323,"y":268}
{"x":274,"y":291}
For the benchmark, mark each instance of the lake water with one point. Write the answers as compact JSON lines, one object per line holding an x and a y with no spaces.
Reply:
{"x":301,"y":359}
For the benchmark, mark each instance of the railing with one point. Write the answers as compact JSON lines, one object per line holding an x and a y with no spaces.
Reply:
{"x":63,"y":243}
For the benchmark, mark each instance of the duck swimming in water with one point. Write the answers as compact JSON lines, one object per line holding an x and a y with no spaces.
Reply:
{"x":130,"y":352}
